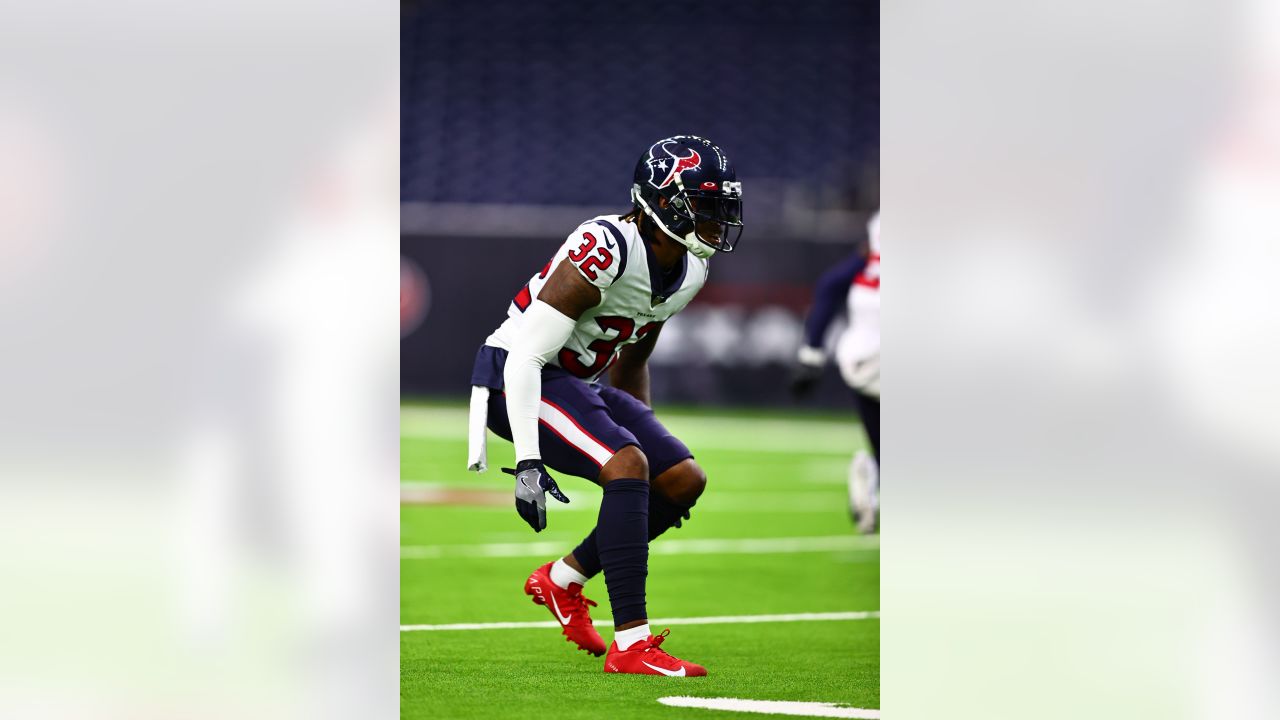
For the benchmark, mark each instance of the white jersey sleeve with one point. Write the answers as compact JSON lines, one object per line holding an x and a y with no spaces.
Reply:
{"x":634,"y":300}
{"x":592,"y":250}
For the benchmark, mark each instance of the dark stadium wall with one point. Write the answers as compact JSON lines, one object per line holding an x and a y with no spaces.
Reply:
{"x":732,"y":346}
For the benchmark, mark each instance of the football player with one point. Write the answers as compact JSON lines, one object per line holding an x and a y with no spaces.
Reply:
{"x":854,"y":283}
{"x":597,"y":308}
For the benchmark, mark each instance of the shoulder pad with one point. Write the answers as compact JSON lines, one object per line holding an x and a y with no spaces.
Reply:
{"x":599,"y":252}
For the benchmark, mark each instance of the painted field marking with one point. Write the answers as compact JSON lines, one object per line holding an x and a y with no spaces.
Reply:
{"x":710,"y":546}
{"x":485,"y":497}
{"x":816,"y":436}
{"x":708,"y":620}
{"x":772,"y":707}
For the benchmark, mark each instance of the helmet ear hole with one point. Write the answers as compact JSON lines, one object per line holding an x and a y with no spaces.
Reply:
{"x":662,"y":202}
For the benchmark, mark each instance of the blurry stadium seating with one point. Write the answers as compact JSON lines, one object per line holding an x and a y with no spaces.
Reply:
{"x":558,"y":96}
{"x":509,"y":143}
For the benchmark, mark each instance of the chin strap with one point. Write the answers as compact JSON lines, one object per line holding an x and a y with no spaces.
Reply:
{"x":697,"y":247}
{"x":690,"y":241}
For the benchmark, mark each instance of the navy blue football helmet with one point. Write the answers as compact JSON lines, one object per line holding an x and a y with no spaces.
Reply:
{"x":701,"y":189}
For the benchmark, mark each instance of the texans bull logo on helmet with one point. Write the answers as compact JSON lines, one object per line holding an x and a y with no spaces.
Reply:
{"x":688,"y":188}
{"x":667,"y":165}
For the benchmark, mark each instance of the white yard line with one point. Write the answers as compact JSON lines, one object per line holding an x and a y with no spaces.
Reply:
{"x":793,"y":506}
{"x":484,"y":497}
{"x":709,"y":546}
{"x":731,"y":432}
{"x":708,"y":620}
{"x":772,"y":707}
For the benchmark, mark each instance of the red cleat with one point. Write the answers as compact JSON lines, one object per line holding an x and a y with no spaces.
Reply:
{"x":569,"y":608}
{"x":648,"y":658}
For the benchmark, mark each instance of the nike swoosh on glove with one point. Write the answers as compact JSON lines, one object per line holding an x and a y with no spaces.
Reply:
{"x":532,"y":485}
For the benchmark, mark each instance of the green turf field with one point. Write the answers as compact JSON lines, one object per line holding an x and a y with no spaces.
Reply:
{"x":776,"y":478}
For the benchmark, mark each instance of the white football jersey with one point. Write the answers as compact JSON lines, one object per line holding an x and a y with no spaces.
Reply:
{"x":858,"y":350}
{"x":635,"y":301}
{"x":864,"y":293}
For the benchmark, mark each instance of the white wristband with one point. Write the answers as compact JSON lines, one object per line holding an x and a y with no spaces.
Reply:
{"x":812,"y":356}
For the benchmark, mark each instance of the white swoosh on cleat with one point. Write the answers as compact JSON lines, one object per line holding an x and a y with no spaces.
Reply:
{"x":668,"y":673}
{"x":556,"y":609}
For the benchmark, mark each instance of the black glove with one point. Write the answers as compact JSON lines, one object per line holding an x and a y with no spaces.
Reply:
{"x":532,"y":484}
{"x":810,"y":363}
{"x":804,"y":378}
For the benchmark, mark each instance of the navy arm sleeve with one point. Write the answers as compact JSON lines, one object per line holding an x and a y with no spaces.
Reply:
{"x":829,"y":297}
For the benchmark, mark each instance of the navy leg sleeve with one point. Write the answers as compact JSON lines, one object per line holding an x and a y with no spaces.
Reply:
{"x":622,"y":536}
{"x":663,"y":515}
{"x":869,"y":411}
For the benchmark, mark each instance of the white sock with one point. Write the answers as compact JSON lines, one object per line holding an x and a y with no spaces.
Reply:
{"x":562,"y":575}
{"x":627,"y":638}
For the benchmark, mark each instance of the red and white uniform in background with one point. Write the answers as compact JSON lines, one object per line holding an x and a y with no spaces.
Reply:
{"x":858,"y":350}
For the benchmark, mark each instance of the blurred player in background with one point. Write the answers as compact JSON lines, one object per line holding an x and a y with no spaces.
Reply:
{"x":855,"y":282}
{"x":598,"y":306}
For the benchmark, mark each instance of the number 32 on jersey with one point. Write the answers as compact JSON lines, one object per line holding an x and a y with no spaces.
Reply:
{"x":589,"y":262}
{"x":604,"y":348}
